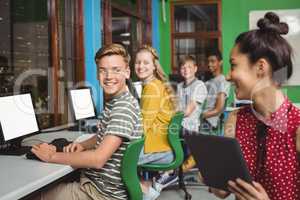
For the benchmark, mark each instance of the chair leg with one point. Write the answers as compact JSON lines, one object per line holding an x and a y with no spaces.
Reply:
{"x":187,"y":195}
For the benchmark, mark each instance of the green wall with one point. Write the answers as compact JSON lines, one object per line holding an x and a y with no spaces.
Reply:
{"x":165,"y":38}
{"x":235,"y":19}
{"x":235,"y":15}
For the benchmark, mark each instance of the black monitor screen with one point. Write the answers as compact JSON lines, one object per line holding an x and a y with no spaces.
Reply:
{"x":17,"y":116}
{"x":82,"y":103}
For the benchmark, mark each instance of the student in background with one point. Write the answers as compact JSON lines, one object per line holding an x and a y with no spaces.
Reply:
{"x":269,"y":130}
{"x":158,"y":106}
{"x":218,"y":89}
{"x":191,"y":94}
{"x":100,"y":156}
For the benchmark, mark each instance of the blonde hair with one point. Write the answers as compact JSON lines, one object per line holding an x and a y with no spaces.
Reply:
{"x":159,"y":73}
{"x":112,"y":49}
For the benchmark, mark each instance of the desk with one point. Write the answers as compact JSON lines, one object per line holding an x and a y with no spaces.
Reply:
{"x":20,"y":176}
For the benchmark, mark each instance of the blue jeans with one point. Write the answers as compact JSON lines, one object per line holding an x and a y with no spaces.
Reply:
{"x":157,"y":158}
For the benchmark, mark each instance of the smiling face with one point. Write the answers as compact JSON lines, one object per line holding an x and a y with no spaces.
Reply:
{"x":188,"y":70}
{"x":144,"y":66}
{"x":113,"y":72}
{"x":242,"y":74}
{"x":214,"y":64}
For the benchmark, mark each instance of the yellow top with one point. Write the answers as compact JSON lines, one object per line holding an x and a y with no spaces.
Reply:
{"x":157,"y":110}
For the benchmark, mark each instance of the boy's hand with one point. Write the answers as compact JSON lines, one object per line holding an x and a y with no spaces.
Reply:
{"x":246,"y":191}
{"x":73,"y":147}
{"x":44,"y":151}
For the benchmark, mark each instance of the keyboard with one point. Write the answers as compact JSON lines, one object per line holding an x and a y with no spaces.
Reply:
{"x":15,"y":151}
{"x":25,"y":150}
{"x":73,"y":128}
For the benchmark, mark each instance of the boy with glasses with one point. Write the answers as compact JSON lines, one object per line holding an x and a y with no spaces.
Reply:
{"x":100,"y":156}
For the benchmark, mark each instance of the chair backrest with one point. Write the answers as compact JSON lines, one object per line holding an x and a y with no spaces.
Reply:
{"x":129,"y":172}
{"x":222,"y":120}
{"x":174,"y":131}
{"x":203,"y":105}
{"x":219,"y":130}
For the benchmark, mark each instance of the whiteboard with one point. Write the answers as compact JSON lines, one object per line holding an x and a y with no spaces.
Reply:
{"x":292,"y":18}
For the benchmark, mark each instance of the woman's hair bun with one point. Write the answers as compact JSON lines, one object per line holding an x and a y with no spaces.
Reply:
{"x":271,"y":22}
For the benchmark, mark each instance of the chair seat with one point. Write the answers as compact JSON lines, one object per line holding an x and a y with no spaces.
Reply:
{"x":158,"y":167}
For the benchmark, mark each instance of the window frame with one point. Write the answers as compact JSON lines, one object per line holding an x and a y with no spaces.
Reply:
{"x":53,"y":23}
{"x":107,"y":18}
{"x":53,"y":114}
{"x":193,"y":35}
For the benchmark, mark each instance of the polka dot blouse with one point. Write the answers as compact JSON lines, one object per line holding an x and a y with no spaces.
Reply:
{"x":280,"y":171}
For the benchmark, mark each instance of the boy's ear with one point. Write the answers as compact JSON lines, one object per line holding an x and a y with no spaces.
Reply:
{"x":127,"y":72}
{"x":196,"y":67}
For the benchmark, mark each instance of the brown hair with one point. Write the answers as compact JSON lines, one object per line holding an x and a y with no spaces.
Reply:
{"x":112,"y":49}
{"x":187,"y":58}
{"x":158,"y":72}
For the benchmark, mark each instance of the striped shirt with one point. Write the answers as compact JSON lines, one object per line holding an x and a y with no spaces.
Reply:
{"x":120,"y":117}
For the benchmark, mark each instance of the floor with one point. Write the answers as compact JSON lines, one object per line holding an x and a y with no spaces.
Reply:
{"x":197,"y":192}
{"x":195,"y":187}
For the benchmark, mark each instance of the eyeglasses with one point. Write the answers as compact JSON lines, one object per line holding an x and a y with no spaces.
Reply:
{"x":112,"y":71}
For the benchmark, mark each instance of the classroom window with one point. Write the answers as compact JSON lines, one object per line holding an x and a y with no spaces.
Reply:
{"x":127,"y":23}
{"x":38,"y":53}
{"x":195,"y":29}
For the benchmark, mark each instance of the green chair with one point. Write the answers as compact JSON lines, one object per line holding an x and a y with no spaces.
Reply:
{"x":129,"y":172}
{"x":174,"y":130}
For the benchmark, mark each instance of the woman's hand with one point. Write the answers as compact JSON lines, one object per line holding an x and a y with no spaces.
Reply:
{"x":245,"y":191}
{"x":219,"y":193}
{"x":73,"y":147}
{"x":44,"y":151}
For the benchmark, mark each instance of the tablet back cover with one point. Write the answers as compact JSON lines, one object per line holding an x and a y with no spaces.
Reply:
{"x":219,"y":159}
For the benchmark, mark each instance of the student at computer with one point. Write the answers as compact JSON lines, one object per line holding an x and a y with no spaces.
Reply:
{"x":158,"y":106}
{"x":100,"y":156}
{"x":218,"y":89}
{"x":260,"y":63}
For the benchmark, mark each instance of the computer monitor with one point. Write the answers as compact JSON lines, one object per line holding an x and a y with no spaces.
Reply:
{"x":17,"y":116}
{"x":82,"y":103}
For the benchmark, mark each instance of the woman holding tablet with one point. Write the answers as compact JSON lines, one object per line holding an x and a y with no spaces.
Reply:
{"x":269,"y":129}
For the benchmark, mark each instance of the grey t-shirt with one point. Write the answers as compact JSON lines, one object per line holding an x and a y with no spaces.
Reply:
{"x":194,"y":91}
{"x":215,"y":86}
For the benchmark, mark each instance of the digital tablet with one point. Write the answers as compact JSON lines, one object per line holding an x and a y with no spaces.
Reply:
{"x":219,"y":159}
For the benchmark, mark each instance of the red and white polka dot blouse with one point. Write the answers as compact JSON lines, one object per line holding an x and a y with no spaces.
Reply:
{"x":280,"y":173}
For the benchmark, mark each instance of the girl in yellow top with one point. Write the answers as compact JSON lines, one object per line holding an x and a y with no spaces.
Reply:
{"x":157,"y":105}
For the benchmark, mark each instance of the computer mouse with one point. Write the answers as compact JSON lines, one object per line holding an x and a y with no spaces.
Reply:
{"x":31,"y":156}
{"x":60,"y":143}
